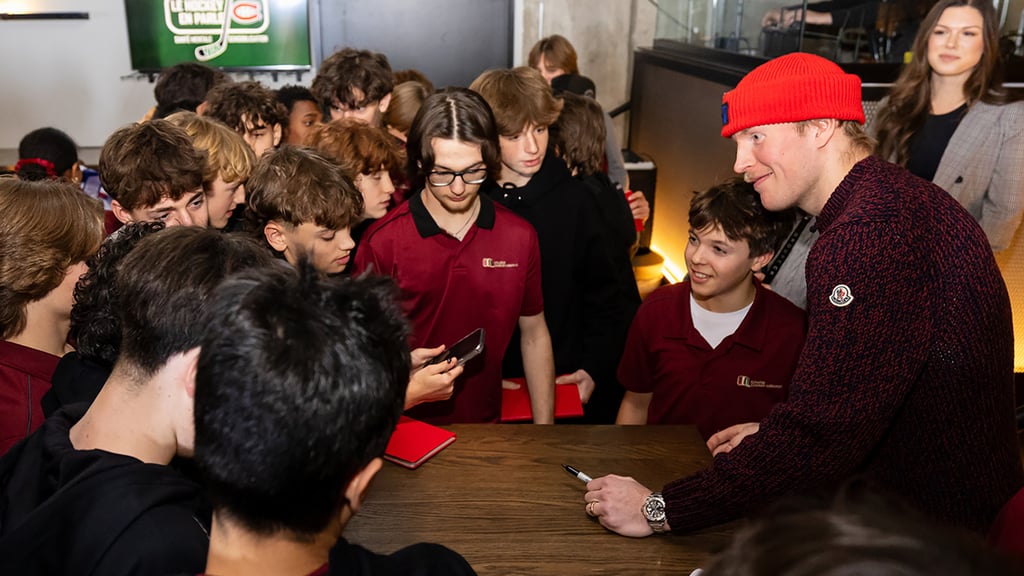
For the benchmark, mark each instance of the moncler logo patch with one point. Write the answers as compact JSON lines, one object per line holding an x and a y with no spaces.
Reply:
{"x":492,"y":263}
{"x":841,"y":296}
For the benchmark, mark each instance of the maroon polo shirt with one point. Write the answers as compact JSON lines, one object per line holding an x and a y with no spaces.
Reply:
{"x":450,"y":288}
{"x":24,"y":377}
{"x":711,"y":388}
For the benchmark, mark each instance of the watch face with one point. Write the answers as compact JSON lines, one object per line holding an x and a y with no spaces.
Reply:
{"x":654,"y":508}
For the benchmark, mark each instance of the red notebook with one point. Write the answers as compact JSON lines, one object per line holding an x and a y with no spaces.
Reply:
{"x":515,"y":404}
{"x":415,"y":442}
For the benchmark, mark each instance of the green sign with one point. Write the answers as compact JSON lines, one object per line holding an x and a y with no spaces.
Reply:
{"x":268,"y":34}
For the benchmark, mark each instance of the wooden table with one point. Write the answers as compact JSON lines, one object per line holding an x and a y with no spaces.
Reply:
{"x":499,"y":496}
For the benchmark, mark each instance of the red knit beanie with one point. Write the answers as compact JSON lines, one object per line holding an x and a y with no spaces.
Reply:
{"x":792,"y":88}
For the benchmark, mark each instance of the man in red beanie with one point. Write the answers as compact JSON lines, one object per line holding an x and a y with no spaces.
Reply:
{"x":906,"y":377}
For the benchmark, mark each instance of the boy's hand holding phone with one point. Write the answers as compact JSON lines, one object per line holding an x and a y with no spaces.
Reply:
{"x":431,"y":382}
{"x":469,"y":347}
{"x":435,"y":369}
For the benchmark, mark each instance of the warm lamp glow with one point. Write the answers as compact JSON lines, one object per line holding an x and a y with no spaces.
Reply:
{"x":672,"y":272}
{"x":1011,"y":264}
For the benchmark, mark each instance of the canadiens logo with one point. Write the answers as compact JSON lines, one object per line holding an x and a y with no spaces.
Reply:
{"x":746,"y":382}
{"x":247,"y":12}
{"x":492,"y":263}
{"x":841,"y":296}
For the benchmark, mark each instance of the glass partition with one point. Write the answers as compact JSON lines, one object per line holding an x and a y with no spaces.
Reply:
{"x":841,"y":30}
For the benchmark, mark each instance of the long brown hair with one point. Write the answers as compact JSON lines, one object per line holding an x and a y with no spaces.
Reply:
{"x":579,"y":134}
{"x":406,"y":100}
{"x":911,"y":94}
{"x":46,"y":226}
{"x":557,"y":52}
{"x":452,"y":114}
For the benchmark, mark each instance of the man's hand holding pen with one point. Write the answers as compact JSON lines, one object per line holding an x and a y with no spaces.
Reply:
{"x":617,"y":503}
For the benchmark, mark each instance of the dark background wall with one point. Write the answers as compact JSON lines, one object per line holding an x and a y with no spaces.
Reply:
{"x":470,"y":37}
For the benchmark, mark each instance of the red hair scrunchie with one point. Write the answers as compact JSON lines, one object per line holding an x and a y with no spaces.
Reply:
{"x":50,"y":171}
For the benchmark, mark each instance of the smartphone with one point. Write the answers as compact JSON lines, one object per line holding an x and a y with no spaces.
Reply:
{"x":464,"y":350}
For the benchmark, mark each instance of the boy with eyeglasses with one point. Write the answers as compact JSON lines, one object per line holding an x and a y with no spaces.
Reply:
{"x":463,"y":262}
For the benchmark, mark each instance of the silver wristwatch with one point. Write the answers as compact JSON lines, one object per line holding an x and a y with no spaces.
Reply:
{"x":654,"y":512}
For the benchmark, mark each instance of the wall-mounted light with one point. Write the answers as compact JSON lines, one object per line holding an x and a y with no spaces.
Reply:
{"x":44,"y":15}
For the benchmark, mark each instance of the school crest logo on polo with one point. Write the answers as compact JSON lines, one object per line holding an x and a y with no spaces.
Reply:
{"x":748,"y":382}
{"x":841,"y":296}
{"x":492,"y":263}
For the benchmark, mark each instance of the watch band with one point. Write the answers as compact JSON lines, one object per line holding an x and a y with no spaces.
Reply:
{"x":654,"y":512}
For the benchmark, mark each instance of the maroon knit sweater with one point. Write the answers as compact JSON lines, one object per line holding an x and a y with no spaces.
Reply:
{"x":909,"y":384}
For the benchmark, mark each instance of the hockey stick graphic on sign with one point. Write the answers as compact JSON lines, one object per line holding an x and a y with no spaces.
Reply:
{"x":212,"y":50}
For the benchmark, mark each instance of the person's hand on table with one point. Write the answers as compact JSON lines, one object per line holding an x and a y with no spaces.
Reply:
{"x":725,"y":440}
{"x":583,"y":382}
{"x":617,"y":502}
{"x":430,"y":382}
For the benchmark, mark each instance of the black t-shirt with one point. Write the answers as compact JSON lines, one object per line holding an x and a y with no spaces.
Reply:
{"x":928,"y":144}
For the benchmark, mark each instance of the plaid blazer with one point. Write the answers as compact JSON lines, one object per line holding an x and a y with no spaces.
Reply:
{"x":983,"y":167}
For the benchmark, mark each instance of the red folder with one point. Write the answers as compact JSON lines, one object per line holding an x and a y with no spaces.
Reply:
{"x":515,"y":404}
{"x":415,"y":442}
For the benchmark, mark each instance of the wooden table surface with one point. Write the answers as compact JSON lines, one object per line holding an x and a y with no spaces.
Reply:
{"x":499,"y":496}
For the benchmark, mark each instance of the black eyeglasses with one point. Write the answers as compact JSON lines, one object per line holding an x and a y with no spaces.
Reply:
{"x":474,"y":176}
